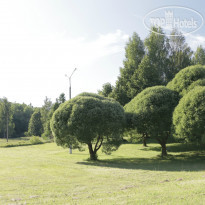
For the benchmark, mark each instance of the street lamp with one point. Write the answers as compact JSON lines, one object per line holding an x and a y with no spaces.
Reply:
{"x":70,"y":94}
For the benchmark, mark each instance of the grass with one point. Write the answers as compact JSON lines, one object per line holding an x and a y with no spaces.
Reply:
{"x":47,"y":174}
{"x":22,"y":141}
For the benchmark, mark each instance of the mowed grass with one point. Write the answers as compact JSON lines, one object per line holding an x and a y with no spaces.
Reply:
{"x":21,"y":141}
{"x":48,"y":174}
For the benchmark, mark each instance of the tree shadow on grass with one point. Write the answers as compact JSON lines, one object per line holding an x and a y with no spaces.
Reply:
{"x":182,"y":162}
{"x":177,"y":147}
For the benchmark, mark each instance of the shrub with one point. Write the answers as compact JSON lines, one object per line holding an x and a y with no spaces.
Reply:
{"x":189,"y":116}
{"x":35,"y":140}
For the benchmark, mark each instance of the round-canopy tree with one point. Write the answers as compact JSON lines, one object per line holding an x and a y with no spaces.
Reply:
{"x":91,"y":119}
{"x":189,"y":116}
{"x":153,"y":109}
{"x":185,"y":78}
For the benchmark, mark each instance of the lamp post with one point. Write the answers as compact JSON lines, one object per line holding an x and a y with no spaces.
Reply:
{"x":70,"y":96}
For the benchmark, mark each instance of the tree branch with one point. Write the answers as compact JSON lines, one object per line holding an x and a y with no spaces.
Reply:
{"x":95,"y":149}
{"x":100,"y":144}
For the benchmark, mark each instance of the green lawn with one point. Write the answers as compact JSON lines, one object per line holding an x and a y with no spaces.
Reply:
{"x":48,"y":174}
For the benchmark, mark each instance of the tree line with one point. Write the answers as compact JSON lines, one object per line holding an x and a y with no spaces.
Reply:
{"x":18,"y":120}
{"x":154,"y":61}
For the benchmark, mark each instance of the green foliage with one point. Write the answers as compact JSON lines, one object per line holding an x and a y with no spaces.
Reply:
{"x":62,"y":98}
{"x":47,"y":111}
{"x":132,"y":136}
{"x":90,"y":119}
{"x":35,"y":124}
{"x":199,"y":56}
{"x":134,"y":52}
{"x":106,"y":90}
{"x":152,"y":110}
{"x":151,"y":70}
{"x":85,"y":94}
{"x":35,"y":140}
{"x":119,"y":93}
{"x":185,"y":78}
{"x":6,"y":119}
{"x":153,"y":62}
{"x":45,"y":116}
{"x":189,"y":116}
{"x":180,"y":55}
{"x":147,"y":75}
{"x":200,"y":82}
{"x":21,"y":116}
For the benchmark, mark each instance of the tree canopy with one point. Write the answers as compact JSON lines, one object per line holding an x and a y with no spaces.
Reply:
{"x":180,"y":54}
{"x":186,"y":77}
{"x":189,"y":116}
{"x":35,"y":124}
{"x":199,"y":56}
{"x":91,"y":119}
{"x":152,"y":113}
{"x":134,"y":52}
{"x":107,"y":88}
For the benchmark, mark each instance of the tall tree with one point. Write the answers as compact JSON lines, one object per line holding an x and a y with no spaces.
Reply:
{"x":152,"y":68}
{"x":45,"y":110}
{"x":199,"y":56}
{"x":7,"y":125}
{"x":47,"y":130}
{"x":21,"y":116}
{"x":134,"y":52}
{"x":180,"y":54}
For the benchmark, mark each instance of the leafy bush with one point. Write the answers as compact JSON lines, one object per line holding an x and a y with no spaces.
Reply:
{"x":35,"y":140}
{"x":185,"y":78}
{"x":189,"y":116}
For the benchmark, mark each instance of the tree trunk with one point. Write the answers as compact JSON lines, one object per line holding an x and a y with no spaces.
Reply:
{"x":162,"y":142}
{"x":164,"y":149}
{"x":93,"y":155}
{"x":144,"y":140}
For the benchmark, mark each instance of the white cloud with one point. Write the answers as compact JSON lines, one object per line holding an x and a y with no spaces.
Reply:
{"x":33,"y":66}
{"x":195,"y":40}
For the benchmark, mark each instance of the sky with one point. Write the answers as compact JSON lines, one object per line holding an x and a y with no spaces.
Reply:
{"x":42,"y":40}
